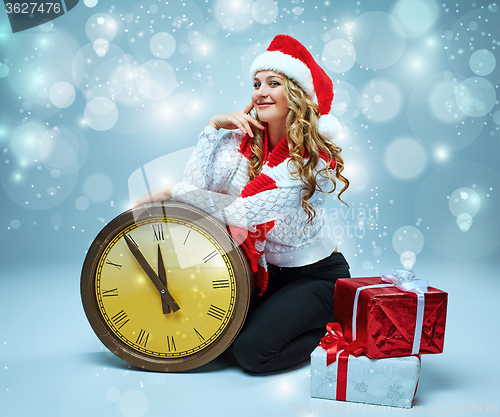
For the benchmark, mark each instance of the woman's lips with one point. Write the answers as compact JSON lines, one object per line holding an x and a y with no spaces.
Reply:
{"x":264,"y":105}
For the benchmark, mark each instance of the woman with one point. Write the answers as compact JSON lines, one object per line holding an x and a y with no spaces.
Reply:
{"x":267,"y":181}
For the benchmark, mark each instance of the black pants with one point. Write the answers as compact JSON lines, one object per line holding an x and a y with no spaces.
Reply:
{"x":285,"y":325}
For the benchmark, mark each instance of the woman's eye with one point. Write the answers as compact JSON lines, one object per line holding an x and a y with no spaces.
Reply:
{"x":256,"y":85}
{"x":274,"y":83}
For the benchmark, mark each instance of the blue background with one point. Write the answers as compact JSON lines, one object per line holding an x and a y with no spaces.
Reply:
{"x":90,"y":97}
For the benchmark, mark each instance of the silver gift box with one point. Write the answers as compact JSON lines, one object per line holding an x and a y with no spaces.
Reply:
{"x":388,"y":381}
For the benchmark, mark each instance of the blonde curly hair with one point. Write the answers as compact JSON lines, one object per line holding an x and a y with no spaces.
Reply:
{"x":303,"y":138}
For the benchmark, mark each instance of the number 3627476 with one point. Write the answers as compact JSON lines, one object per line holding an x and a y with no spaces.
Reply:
{"x":32,"y":8}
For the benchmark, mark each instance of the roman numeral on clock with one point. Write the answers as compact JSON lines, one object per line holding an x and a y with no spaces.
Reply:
{"x":171,"y":344}
{"x":108,"y":262}
{"x":120,"y":319}
{"x":158,"y":231}
{"x":209,"y":256}
{"x":142,"y":339}
{"x":220,"y":283}
{"x":110,"y":293}
{"x":216,"y":312}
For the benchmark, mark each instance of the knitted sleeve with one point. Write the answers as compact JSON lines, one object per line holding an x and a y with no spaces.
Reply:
{"x":211,"y":163}
{"x":251,"y":210}
{"x":269,"y":196}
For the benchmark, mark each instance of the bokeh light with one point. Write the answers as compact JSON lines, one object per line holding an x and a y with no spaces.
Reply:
{"x":475,"y":97}
{"x":82,"y":203}
{"x":339,"y":56}
{"x":464,"y":200}
{"x":381,"y":101}
{"x":416,"y":16}
{"x":346,"y":102}
{"x":264,"y":11}
{"x":379,"y":39}
{"x":234,"y":15}
{"x":101,"y":113}
{"x":62,"y":94}
{"x":358,"y":176}
{"x":113,"y":394}
{"x":156,"y":79}
{"x":101,"y":47}
{"x":87,"y":66}
{"x":408,"y":259}
{"x":250,"y":54}
{"x":162,"y":45}
{"x":63,"y":150}
{"x":4,"y":70}
{"x":24,"y":143}
{"x":133,"y":403}
{"x":482,"y":62}
{"x":433,"y":100}
{"x":176,"y":19}
{"x":98,"y":187}
{"x":471,"y":33}
{"x":464,"y":221}
{"x":405,"y":158}
{"x":100,"y":25}
{"x":444,"y":231}
{"x":40,"y":61}
{"x":408,"y":239}
{"x":15,"y":224}
{"x":223,"y":83}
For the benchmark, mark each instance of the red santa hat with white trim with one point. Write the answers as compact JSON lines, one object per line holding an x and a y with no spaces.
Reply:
{"x":289,"y":57}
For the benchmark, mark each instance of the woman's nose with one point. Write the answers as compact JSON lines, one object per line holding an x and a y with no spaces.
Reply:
{"x":263,"y":90}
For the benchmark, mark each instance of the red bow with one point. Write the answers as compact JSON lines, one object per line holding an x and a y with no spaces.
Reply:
{"x":334,"y":341}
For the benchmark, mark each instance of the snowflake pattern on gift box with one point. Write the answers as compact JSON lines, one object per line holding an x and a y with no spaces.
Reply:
{"x":396,"y":392}
{"x":330,"y":376}
{"x":361,"y":387}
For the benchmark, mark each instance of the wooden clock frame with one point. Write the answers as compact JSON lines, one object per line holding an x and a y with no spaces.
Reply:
{"x":244,"y":279}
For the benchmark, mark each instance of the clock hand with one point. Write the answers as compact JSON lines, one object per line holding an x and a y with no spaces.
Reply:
{"x":162,"y":274}
{"x":165,"y":295}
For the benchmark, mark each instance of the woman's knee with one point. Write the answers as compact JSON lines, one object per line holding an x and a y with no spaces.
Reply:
{"x":250,"y":355}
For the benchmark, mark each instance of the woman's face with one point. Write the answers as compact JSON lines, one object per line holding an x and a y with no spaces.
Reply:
{"x":268,"y":97}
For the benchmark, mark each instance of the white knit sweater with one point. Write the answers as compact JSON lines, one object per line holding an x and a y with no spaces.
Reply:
{"x":215,"y":176}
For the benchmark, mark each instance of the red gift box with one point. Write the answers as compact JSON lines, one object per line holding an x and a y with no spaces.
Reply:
{"x":385,"y":318}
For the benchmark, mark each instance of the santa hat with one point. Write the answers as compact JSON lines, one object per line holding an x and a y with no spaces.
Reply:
{"x":289,"y":57}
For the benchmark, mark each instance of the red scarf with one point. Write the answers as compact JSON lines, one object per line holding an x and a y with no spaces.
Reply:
{"x":253,"y":242}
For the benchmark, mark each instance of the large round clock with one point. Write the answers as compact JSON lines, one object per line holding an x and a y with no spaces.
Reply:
{"x":165,"y":287}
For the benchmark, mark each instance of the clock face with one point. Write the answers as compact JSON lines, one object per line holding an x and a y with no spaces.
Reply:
{"x":205,"y":279}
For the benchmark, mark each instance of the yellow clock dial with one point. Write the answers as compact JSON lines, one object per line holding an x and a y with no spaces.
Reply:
{"x":165,"y":287}
{"x":199,"y":276}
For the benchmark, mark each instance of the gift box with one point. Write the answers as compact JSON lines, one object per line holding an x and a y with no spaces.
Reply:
{"x":389,"y":381}
{"x":387,"y":318}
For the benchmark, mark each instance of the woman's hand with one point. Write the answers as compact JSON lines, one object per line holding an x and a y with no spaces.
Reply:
{"x":159,"y":194}
{"x":236,"y":120}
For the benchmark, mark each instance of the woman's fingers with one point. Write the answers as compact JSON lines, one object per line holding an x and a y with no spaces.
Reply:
{"x":143,"y":200}
{"x":158,"y":194}
{"x":248,"y":108}
{"x":242,"y":124}
{"x":236,"y":120}
{"x":253,"y":120}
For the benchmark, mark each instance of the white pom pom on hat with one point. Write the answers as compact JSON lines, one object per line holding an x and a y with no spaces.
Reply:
{"x":288,"y":56}
{"x":329,"y":126}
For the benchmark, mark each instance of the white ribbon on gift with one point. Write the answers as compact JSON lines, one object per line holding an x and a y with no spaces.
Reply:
{"x":405,"y":281}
